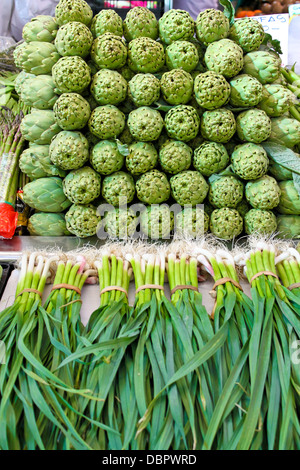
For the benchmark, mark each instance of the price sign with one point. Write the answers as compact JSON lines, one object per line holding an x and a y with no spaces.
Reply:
{"x":278,"y":27}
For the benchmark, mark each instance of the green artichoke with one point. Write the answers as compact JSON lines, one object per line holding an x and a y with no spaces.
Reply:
{"x":289,"y":198}
{"x":140,"y":22}
{"x":145,"y":55}
{"x":211,"y":90}
{"x":211,"y":25}
{"x":192,"y":222}
{"x":226,"y":223}
{"x":109,"y":51}
{"x":69,"y":150}
{"x":39,"y":126}
{"x":118,"y":189}
{"x":182,"y":55}
{"x":285,"y":131}
{"x":226,"y":191}
{"x":177,"y":86}
{"x":83,"y":220}
{"x":120,"y":223}
{"x":142,"y":157}
{"x":224,"y":57}
{"x":20,"y":79}
{"x":263,"y":65}
{"x":71,"y":111}
{"x":41,"y":28}
{"x":36,"y":57}
{"x":288,"y":226}
{"x":71,"y":74}
{"x":106,"y":158}
{"x":210,"y":158}
{"x":175,"y":156}
{"x":144,"y":89}
{"x":74,"y":39}
{"x":107,"y":21}
{"x":73,"y":10}
{"x":276,"y":100}
{"x":106,"y":122}
{"x":253,"y":126}
{"x":35,"y":163}
{"x":182,"y":123}
{"x":109,"y":87}
{"x":82,"y":186}
{"x":263,"y":193}
{"x":48,"y":224}
{"x":245,"y":91}
{"x":157,"y":222}
{"x":260,"y":222}
{"x":247,"y":33}
{"x":188,"y":187}
{"x":46,"y":195}
{"x":153,"y":187}
{"x":39,"y":92}
{"x":279,"y":172}
{"x":176,"y":25}
{"x":218,"y":125}
{"x":249,"y":161}
{"x":145,"y":124}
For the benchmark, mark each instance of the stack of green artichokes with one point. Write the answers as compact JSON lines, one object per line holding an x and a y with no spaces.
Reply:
{"x":155,"y":112}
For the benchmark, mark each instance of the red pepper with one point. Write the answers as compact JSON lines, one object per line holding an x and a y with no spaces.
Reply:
{"x":8,"y":220}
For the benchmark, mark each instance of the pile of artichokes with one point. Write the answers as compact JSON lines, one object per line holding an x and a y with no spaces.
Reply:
{"x":158,"y":112}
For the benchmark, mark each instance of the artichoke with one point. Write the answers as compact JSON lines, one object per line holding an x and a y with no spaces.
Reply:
{"x":247,"y":33}
{"x":211,"y":25}
{"x":211,"y":90}
{"x":253,"y":126}
{"x":245,"y":91}
{"x":107,"y":21}
{"x":188,"y":187}
{"x":289,"y":202}
{"x":41,"y":28}
{"x":106,"y":122}
{"x":73,"y":10}
{"x":177,"y":86}
{"x":145,"y":124}
{"x":175,"y":156}
{"x":71,"y":111}
{"x":74,"y":39}
{"x":224,"y":57}
{"x":120,"y":223}
{"x":106,"y":158}
{"x":36,"y":57}
{"x":71,"y":74}
{"x":157,"y":222}
{"x":46,"y":195}
{"x":48,"y":224}
{"x":192,"y":222}
{"x":210,"y":158}
{"x":226,"y":191}
{"x":145,"y":55}
{"x":263,"y":65}
{"x":263,"y":193}
{"x":153,"y":187}
{"x":182,"y":123}
{"x":39,"y":126}
{"x":69,"y":150}
{"x":109,"y":51}
{"x":35,"y":163}
{"x":218,"y":125}
{"x":118,"y":189}
{"x":276,"y":100}
{"x":83,"y":220}
{"x":285,"y":131}
{"x":261,"y":222}
{"x":144,"y":89}
{"x":279,"y":172}
{"x":140,"y":22}
{"x":182,"y":55}
{"x":288,"y":226}
{"x":142,"y":157}
{"x":249,"y":161}
{"x":176,"y":25}
{"x":20,"y":79}
{"x":226,"y":223}
{"x":82,"y":186}
{"x":109,"y":87}
{"x":39,"y":92}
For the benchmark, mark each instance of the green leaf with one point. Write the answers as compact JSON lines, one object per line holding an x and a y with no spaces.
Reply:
{"x":271,"y":44}
{"x":123,"y":148}
{"x":296,"y":180}
{"x":282,"y":155}
{"x":229,"y":10}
